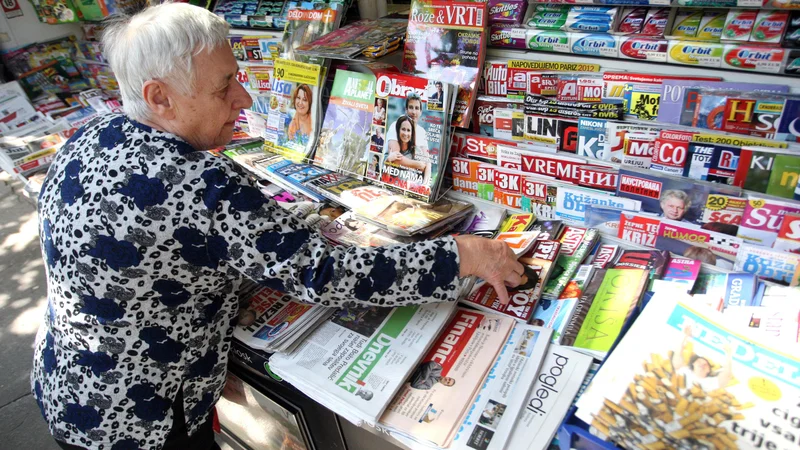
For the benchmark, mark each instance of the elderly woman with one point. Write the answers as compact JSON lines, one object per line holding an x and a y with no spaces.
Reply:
{"x":146,"y":238}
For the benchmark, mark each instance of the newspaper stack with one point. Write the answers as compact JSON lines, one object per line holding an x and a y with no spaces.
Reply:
{"x":355,"y":363}
{"x":431,"y":405}
{"x":275,"y":323}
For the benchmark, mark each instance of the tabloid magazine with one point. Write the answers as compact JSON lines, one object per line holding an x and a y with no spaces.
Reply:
{"x":684,"y":376}
{"x":350,"y":41}
{"x":305,"y":22}
{"x":414,"y":129}
{"x":431,"y":403}
{"x":345,"y":133}
{"x":275,"y":322}
{"x":294,"y":109}
{"x":446,"y":40}
{"x":405,"y":217}
{"x":355,"y":362}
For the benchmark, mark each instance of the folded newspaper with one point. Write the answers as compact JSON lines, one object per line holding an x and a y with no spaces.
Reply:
{"x":684,"y":376}
{"x":355,"y":363}
{"x":432,"y":402}
{"x":275,"y":323}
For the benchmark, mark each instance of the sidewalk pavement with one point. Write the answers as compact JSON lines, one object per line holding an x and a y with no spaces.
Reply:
{"x":23,"y":298}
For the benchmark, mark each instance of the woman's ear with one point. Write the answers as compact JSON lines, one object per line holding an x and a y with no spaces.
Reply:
{"x":157,"y":96}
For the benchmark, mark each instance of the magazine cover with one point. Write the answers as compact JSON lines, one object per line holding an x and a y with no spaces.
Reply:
{"x":294,"y":109}
{"x":603,"y":219}
{"x":762,"y":219}
{"x":755,"y":167}
{"x":539,"y":197}
{"x":348,"y":42}
{"x":446,"y":40}
{"x":768,"y":263}
{"x":415,"y":130}
{"x":345,"y":135}
{"x":501,"y":399}
{"x":465,"y":178}
{"x":538,"y":264}
{"x":592,"y":138}
{"x":785,"y":174}
{"x":571,"y":203}
{"x":780,"y":323}
{"x":674,"y":198}
{"x":680,"y":97}
{"x":306,"y":25}
{"x":789,"y":234}
{"x":723,"y":213}
{"x":685,"y":377}
{"x":348,"y":230}
{"x":405,"y":216}
{"x":617,"y":297}
{"x":789,"y":124}
{"x":431,"y":403}
{"x":333,"y":185}
{"x":556,"y":314}
{"x":576,"y":243}
{"x":640,"y":229}
{"x":691,"y":241}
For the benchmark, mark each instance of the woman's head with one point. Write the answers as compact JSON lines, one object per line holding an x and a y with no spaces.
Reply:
{"x":301,"y":99}
{"x":406,"y":133}
{"x":157,"y":56}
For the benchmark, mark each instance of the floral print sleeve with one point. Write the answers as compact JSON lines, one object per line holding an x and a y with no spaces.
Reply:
{"x":280,"y":251}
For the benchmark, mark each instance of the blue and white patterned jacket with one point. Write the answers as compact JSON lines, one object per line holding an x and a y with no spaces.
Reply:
{"x":146,"y":241}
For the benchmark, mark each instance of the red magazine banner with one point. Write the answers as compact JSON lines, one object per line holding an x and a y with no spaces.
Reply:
{"x":671,"y":150}
{"x":507,"y":184}
{"x":465,"y":175}
{"x":457,"y":14}
{"x":638,"y":229}
{"x":476,"y":145}
{"x":558,"y":167}
{"x":454,"y":338}
{"x":596,"y":177}
{"x":493,"y":81}
{"x":630,"y":184}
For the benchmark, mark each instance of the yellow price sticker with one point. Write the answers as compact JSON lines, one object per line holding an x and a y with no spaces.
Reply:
{"x":765,"y":389}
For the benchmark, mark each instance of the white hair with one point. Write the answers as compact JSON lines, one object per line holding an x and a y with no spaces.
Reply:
{"x":159,"y":43}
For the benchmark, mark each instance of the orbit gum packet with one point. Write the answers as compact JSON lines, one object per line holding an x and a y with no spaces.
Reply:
{"x":711,"y":25}
{"x":656,"y":22}
{"x":769,"y":26}
{"x":739,"y":24}
{"x":687,"y":22}
{"x":632,"y":20}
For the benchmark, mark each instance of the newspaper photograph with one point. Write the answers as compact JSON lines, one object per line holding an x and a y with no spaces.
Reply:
{"x":684,"y":376}
{"x":501,"y":396}
{"x":431,"y":404}
{"x":360,"y":357}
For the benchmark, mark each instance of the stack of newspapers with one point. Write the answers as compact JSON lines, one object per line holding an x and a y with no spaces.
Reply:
{"x":276,"y":322}
{"x":489,"y":382}
{"x":355,"y":362}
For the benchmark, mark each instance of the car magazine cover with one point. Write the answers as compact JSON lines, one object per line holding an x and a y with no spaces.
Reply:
{"x":345,"y":134}
{"x":294,"y":109}
{"x":431,"y":403}
{"x":305,"y":22}
{"x":446,"y":40}
{"x":415,"y":130}
{"x":684,"y":376}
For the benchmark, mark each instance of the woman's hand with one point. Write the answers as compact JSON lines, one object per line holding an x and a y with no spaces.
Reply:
{"x":493,"y":261}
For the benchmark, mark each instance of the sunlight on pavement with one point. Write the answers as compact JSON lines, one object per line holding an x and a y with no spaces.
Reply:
{"x":27,"y":322}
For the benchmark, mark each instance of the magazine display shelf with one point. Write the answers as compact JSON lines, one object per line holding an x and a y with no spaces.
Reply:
{"x":769,"y":4}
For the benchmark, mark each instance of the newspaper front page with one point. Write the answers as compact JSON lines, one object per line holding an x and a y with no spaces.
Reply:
{"x":684,"y":376}
{"x":356,"y":361}
{"x":432,"y":402}
{"x":491,"y":417}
